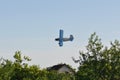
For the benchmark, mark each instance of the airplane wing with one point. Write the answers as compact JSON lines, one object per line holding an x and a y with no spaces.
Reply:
{"x":61,"y":38}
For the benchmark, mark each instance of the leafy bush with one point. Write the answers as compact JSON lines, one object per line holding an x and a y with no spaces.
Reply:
{"x":18,"y":70}
{"x":99,"y":62}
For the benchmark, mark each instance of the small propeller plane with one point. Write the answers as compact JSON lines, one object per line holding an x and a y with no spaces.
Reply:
{"x":61,"y":39}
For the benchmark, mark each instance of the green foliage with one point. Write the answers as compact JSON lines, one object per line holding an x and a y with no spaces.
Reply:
{"x":99,"y":62}
{"x":19,"y":70}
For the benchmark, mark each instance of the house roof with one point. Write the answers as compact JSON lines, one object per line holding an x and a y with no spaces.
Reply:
{"x":58,"y":66}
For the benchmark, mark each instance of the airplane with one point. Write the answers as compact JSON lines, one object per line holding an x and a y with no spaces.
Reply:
{"x":61,"y":39}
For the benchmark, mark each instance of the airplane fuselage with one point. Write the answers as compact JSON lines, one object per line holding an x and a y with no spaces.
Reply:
{"x":64,"y":39}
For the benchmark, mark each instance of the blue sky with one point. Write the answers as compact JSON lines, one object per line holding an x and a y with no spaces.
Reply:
{"x":32,"y":25}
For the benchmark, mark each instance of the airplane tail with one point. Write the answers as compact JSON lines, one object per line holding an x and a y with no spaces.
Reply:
{"x":71,"y":37}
